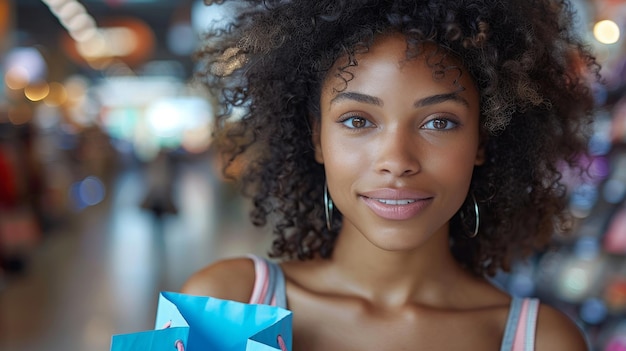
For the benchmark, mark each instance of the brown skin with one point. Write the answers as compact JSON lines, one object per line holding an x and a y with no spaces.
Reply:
{"x":392,"y":284}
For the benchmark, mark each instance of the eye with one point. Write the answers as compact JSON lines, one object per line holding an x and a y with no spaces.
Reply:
{"x":356,"y":122}
{"x":440,"y":124}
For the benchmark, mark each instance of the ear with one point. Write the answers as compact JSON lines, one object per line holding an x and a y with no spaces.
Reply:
{"x":481,"y":153}
{"x":316,"y":138}
{"x":480,"y":157}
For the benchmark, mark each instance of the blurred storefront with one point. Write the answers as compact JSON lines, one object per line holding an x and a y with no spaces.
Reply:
{"x":585,"y":274}
{"x":89,"y":87}
{"x":104,"y":155}
{"x":92,"y":89}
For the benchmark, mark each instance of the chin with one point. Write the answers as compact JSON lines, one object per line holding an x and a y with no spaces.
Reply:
{"x":398,"y":242}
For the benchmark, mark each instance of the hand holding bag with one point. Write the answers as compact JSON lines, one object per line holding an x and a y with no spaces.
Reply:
{"x":207,"y":323}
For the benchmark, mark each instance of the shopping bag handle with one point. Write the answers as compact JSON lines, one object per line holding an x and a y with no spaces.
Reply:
{"x":281,"y":343}
{"x":178,"y":344}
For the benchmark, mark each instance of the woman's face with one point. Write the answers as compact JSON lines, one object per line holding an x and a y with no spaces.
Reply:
{"x":398,"y":144}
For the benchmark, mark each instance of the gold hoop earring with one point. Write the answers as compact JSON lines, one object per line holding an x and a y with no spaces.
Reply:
{"x":328,"y":208}
{"x":477,"y":214}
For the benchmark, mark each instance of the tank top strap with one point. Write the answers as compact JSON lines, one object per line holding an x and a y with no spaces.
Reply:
{"x":519,"y":333}
{"x":269,"y":283}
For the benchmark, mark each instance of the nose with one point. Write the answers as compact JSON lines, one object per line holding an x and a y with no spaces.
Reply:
{"x":397,"y":154}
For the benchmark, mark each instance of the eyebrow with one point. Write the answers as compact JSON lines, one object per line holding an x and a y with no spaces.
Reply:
{"x":349,"y":95}
{"x":427,"y":101}
{"x":439,"y":98}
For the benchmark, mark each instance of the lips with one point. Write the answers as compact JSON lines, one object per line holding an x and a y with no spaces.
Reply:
{"x":396,"y":204}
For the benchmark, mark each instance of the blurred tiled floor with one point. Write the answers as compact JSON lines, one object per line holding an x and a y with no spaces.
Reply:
{"x":101,"y":274}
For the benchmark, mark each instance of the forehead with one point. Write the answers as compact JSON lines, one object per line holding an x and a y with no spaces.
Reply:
{"x":390,"y":53}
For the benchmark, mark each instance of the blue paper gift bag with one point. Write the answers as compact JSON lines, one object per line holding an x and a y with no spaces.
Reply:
{"x":151,"y":340}
{"x":208,"y":323}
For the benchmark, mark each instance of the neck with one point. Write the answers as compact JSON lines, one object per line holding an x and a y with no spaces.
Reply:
{"x":425,"y":274}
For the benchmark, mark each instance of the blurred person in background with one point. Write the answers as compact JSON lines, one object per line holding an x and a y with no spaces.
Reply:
{"x":159,"y":182}
{"x":21,"y":211}
{"x":404,"y":151}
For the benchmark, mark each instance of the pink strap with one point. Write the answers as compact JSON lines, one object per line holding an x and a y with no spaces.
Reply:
{"x":281,"y":343}
{"x":526,"y":326}
{"x":261,"y":280}
{"x":178,"y":344}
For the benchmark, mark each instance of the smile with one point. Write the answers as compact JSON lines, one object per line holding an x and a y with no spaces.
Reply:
{"x":395,"y":202}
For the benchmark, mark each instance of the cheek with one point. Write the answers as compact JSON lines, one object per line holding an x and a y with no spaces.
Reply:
{"x":345,"y":161}
{"x":341,"y":158}
{"x":454,"y":167}
{"x":460,"y":157}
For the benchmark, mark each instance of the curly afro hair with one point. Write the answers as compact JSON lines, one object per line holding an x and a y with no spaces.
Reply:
{"x":533,"y":74}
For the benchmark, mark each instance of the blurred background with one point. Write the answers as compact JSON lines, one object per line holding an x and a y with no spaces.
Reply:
{"x":110,"y":192}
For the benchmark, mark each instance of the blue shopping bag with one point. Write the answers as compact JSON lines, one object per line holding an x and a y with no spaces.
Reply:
{"x":151,"y":340}
{"x":207,"y":323}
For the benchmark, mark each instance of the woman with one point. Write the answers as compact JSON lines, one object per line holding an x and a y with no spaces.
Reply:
{"x":403,"y":151}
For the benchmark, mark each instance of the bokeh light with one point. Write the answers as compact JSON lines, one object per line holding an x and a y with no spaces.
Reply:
{"x":606,"y":32}
{"x":57,"y":95}
{"x":37,"y":91}
{"x":87,"y":192}
{"x":17,"y":78}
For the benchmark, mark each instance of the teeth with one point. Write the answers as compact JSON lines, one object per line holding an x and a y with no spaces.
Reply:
{"x":395,"y":202}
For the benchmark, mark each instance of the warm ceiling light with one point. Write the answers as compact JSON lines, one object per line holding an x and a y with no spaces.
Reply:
{"x":55,"y":3}
{"x":70,"y":10}
{"x":37,"y":92}
{"x":57,"y":95}
{"x":80,"y":22}
{"x":121,"y":41}
{"x":17,"y":77}
{"x":606,"y":32}
{"x":95,"y":46}
{"x":20,"y":114}
{"x":76,"y":89}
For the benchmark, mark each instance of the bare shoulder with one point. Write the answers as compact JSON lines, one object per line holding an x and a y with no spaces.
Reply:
{"x":229,"y":279}
{"x":556,"y":331}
